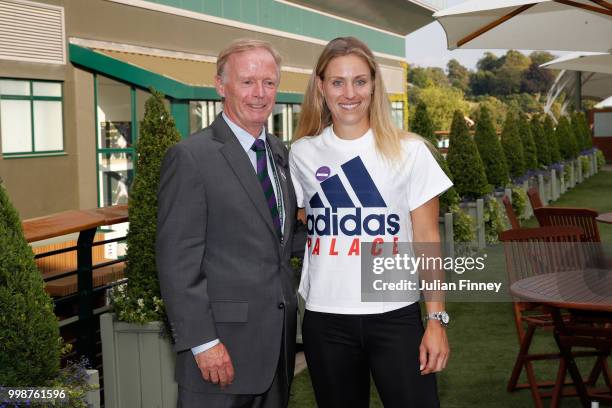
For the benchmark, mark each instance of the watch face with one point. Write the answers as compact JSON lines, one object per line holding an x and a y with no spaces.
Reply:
{"x":445,"y":318}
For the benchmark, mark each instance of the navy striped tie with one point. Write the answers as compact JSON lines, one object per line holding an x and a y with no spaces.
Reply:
{"x":266,"y":184}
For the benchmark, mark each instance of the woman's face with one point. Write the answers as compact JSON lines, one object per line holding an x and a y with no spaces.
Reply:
{"x":347,"y":87}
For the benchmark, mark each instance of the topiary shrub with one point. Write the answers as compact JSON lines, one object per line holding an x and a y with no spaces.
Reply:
{"x":551,"y":136}
{"x":450,"y":197}
{"x":29,"y":335}
{"x":567,"y":142}
{"x":587,"y":140}
{"x":529,"y":148}
{"x":463,"y":226}
{"x":519,"y":202}
{"x":542,"y":143}
{"x":513,"y":147}
{"x":494,"y":220}
{"x":584,"y":164}
{"x":464,"y":161}
{"x":490,"y":150}
{"x":601,"y":160}
{"x":140,"y":301}
{"x":422,"y":124}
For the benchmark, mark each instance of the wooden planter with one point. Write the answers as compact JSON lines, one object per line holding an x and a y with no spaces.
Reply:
{"x":138,"y":365}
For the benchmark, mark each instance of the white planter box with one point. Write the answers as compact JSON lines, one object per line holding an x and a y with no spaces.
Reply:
{"x":138,"y":365}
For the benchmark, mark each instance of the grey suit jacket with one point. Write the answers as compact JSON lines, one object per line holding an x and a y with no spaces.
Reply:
{"x":223,"y":271}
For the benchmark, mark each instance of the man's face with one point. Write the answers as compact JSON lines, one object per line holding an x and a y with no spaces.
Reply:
{"x":249,"y":84}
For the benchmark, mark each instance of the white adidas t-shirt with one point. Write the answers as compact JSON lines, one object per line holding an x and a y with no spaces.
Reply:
{"x":335,"y":178}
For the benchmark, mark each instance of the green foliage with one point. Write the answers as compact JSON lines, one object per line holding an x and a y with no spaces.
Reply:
{"x":513,"y":147}
{"x":450,"y":197}
{"x":551,"y":136}
{"x":523,"y":102}
{"x":490,"y":150}
{"x":463,"y":226}
{"x":29,"y":339}
{"x":536,"y":80}
{"x":141,"y":300}
{"x":458,"y":75}
{"x":422,"y":124}
{"x":529,"y":147}
{"x":441,"y":102}
{"x":541,"y":143}
{"x":519,"y":202}
{"x":497,"y":109}
{"x":567,"y":142}
{"x":582,"y":132}
{"x":601,"y":160}
{"x":464,"y":161}
{"x":426,"y":77}
{"x":494,"y":220}
{"x":585,"y":165}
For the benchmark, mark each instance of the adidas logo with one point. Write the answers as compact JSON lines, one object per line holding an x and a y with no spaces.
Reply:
{"x":329,"y":222}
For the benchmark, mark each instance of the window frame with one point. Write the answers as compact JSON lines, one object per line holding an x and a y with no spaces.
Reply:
{"x":31,"y":98}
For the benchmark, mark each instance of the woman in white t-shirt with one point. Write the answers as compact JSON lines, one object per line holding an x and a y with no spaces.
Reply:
{"x":359,"y":179}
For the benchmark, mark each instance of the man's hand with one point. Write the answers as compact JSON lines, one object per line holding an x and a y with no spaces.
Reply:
{"x":434,"y":350}
{"x":216,"y":365}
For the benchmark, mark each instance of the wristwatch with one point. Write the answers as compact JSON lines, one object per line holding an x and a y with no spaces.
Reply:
{"x":442,"y":317}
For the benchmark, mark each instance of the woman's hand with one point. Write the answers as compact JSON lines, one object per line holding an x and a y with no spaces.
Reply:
{"x":434,"y":350}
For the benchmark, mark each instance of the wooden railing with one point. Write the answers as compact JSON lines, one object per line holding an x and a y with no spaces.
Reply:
{"x":76,"y":279}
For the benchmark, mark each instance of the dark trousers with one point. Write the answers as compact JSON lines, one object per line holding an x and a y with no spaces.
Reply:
{"x":342,"y":351}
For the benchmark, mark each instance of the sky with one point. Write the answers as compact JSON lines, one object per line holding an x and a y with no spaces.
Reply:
{"x":427,"y":47}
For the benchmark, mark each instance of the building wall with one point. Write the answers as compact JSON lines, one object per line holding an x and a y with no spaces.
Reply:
{"x":43,"y":185}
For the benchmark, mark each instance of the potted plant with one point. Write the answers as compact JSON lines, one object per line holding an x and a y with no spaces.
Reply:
{"x":30,"y":338}
{"x":137,"y":357}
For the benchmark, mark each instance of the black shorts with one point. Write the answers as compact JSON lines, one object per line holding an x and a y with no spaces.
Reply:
{"x":342,"y":351}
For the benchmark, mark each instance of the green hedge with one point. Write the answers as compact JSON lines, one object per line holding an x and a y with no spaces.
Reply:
{"x":464,"y":161}
{"x":513,"y":146}
{"x":29,"y":335}
{"x":490,"y":150}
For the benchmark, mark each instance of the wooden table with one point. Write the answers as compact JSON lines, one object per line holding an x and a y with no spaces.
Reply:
{"x":606,"y":218}
{"x":588,"y":296}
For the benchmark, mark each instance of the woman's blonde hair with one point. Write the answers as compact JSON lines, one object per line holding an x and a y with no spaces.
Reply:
{"x":315,"y":116}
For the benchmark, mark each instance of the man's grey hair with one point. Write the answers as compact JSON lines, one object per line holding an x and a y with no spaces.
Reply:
{"x":242,"y":45}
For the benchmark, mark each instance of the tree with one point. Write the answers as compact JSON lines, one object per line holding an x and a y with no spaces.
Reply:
{"x":482,"y":83}
{"x":536,"y":80}
{"x":541,"y":57}
{"x":551,"y":137}
{"x":426,"y":77}
{"x":513,"y":147}
{"x":464,"y":161}
{"x":529,"y":147}
{"x":508,"y":75}
{"x":30,"y":338}
{"x":541,"y":142}
{"x":497,"y":109}
{"x":441,"y":102}
{"x":581,"y":131}
{"x":488,"y":62}
{"x":157,"y":134}
{"x":458,"y":75}
{"x":422,"y":124}
{"x":490,"y":150}
{"x":567,"y":142}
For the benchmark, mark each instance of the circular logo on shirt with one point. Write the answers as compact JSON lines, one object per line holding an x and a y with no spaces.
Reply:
{"x":322,"y":173}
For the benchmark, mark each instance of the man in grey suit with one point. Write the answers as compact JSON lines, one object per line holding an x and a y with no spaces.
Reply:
{"x":226,"y":214}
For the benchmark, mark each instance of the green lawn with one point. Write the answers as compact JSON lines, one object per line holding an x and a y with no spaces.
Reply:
{"x":483,"y":338}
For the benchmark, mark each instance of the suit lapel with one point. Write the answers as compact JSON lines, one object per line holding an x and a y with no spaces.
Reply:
{"x":241,"y":165}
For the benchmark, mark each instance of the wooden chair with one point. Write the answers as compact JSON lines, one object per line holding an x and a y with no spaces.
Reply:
{"x":583,"y":218}
{"x":531,"y":251}
{"x":534,"y":198}
{"x":514,"y":222}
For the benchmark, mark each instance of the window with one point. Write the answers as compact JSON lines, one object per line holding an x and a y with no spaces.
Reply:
{"x":283,"y":121}
{"x":202,"y":114}
{"x":31,"y":118}
{"x":397,"y":113}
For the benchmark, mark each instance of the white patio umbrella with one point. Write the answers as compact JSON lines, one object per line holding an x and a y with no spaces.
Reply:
{"x":595,"y":68}
{"x":606,"y":103}
{"x":563,"y":25}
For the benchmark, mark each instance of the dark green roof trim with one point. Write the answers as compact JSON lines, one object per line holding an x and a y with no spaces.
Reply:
{"x":143,"y":78}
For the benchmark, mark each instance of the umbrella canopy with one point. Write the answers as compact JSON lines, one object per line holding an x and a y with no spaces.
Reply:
{"x":606,"y":103}
{"x":596,"y":78}
{"x":564,"y":25}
